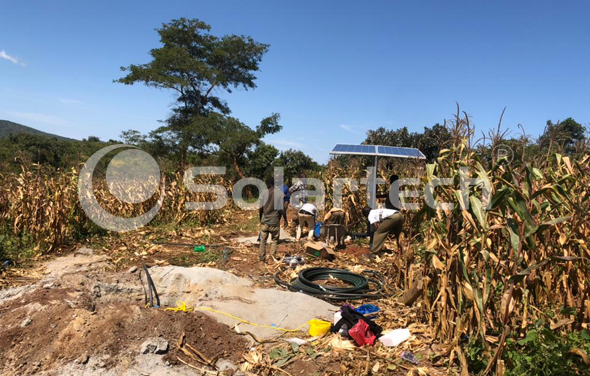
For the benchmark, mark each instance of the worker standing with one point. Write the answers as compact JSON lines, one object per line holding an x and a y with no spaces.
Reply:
{"x":270,"y":218}
{"x":384,"y":222}
{"x":307,"y":216}
{"x":286,"y":200}
{"x":392,"y":192}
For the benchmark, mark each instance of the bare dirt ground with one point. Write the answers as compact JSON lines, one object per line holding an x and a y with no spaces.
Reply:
{"x":88,"y":317}
{"x":83,"y":315}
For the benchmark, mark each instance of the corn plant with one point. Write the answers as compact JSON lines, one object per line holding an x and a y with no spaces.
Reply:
{"x":494,"y":266}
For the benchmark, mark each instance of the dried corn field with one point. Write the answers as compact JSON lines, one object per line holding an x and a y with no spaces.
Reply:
{"x":494,"y":264}
{"x":489,"y":267}
{"x":42,"y":209}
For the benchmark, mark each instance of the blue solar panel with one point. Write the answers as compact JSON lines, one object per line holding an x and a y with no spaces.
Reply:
{"x":402,"y":151}
{"x":354,"y":149}
{"x":386,"y":151}
{"x":415,"y":153}
{"x":393,"y":151}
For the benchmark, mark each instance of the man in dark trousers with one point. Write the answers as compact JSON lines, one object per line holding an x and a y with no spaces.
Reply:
{"x":271,"y":208}
{"x":383,"y":223}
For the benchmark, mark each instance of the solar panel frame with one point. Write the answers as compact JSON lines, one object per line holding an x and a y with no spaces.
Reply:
{"x":378,"y":150}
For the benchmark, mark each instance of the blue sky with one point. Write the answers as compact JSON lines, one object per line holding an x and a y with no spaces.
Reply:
{"x":335,"y":69}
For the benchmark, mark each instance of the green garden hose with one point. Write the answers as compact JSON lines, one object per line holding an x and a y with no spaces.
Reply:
{"x":359,"y":285}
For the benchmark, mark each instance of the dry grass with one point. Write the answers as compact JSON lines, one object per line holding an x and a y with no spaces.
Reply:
{"x":43,"y":207}
{"x":487,"y":274}
{"x":492,"y":273}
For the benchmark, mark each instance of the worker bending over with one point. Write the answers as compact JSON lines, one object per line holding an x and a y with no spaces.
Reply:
{"x":307,"y":216}
{"x":336,"y":216}
{"x":383,"y":223}
{"x":335,"y":222}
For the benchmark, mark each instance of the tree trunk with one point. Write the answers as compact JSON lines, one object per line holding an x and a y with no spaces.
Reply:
{"x":182,"y":162}
{"x":238,"y":170}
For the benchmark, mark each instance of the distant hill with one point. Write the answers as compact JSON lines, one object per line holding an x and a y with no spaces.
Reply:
{"x":8,"y":127}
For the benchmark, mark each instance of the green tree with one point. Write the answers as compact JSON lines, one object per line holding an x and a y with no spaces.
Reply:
{"x":430,"y":142}
{"x":237,"y":142}
{"x":433,"y":140}
{"x":390,"y":137}
{"x":563,"y":134}
{"x":295,"y":162}
{"x":260,"y":160}
{"x":195,"y":65}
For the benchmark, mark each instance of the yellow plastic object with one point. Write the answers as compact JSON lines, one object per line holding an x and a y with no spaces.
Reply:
{"x":181,"y":307}
{"x":318,"y":327}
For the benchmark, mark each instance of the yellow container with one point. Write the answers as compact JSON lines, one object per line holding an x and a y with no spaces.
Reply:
{"x":318,"y":327}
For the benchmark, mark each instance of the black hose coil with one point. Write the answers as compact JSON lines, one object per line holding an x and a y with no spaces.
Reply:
{"x":359,"y":284}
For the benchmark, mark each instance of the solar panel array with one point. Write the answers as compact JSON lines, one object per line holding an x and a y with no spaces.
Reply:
{"x":400,"y":152}
{"x":354,"y":149}
{"x":385,"y":151}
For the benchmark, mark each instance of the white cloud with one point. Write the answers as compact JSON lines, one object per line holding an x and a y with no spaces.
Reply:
{"x":349,"y":128}
{"x":285,"y":144}
{"x":41,"y":118}
{"x":13,"y":59}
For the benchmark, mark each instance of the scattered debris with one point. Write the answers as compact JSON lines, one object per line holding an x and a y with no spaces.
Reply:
{"x":409,"y":357}
{"x":155,"y":346}
{"x":361,"y":333}
{"x":111,"y":334}
{"x":413,"y":293}
{"x":318,"y":327}
{"x":297,"y":341}
{"x":395,"y":337}
{"x":200,"y":248}
{"x":294,"y":261}
{"x":320,"y":250}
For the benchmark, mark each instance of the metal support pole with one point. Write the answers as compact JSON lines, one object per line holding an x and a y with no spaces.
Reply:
{"x":373,"y":187}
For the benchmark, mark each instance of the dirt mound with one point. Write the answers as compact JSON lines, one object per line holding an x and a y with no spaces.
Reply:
{"x":43,"y":337}
{"x":95,"y":323}
{"x":84,"y":318}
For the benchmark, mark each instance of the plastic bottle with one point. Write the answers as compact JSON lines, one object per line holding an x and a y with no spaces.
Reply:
{"x":200,"y":248}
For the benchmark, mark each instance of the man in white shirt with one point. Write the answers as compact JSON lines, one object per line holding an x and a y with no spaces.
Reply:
{"x":383,"y":223}
{"x":307,"y":216}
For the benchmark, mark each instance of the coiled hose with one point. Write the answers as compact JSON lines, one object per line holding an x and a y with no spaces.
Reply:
{"x":359,"y":284}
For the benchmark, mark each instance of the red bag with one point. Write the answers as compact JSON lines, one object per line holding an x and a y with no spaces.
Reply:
{"x":361,"y":334}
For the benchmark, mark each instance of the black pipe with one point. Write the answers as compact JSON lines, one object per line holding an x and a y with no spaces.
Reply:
{"x":151,"y":287}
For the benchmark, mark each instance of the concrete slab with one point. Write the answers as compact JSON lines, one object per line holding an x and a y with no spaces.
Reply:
{"x":223,"y":291}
